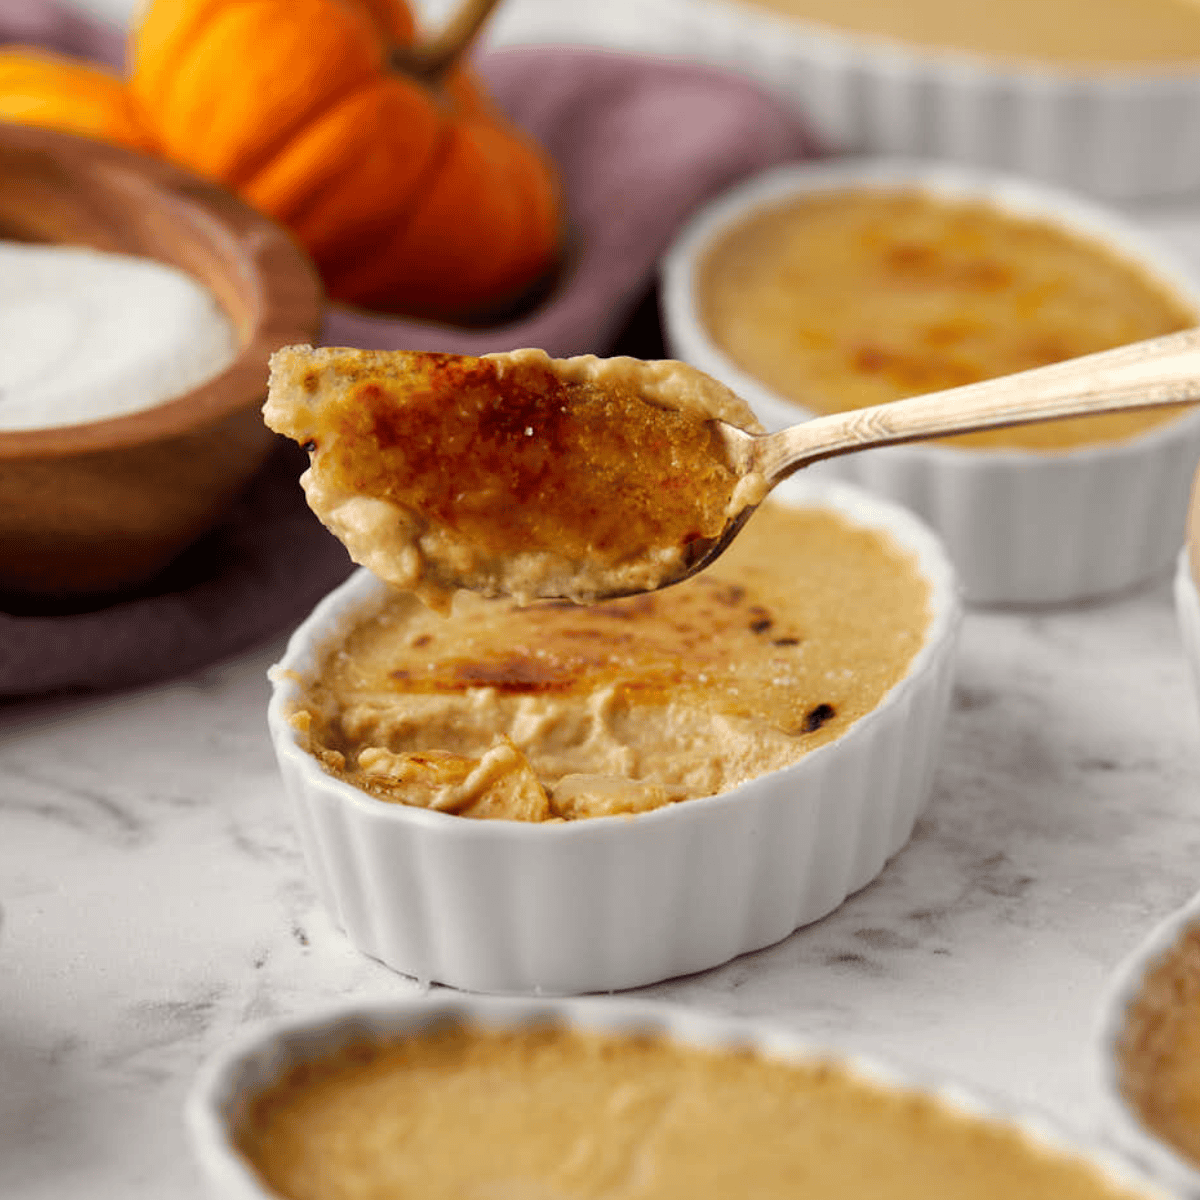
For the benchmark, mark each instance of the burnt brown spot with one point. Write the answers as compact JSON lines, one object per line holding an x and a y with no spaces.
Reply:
{"x":872,"y":358}
{"x":785,"y":641}
{"x":422,"y":639}
{"x":761,"y":625}
{"x":311,"y":381}
{"x":728,"y":594}
{"x":818,"y":716}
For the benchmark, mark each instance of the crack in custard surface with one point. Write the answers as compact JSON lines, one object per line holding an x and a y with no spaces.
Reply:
{"x":555,"y":711}
{"x":548,"y":1113}
{"x":510,"y":474}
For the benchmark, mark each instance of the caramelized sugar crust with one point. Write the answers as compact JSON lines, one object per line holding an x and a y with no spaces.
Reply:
{"x":1160,"y":1048}
{"x":544,"y":1112}
{"x":847,"y":299}
{"x":791,"y":636}
{"x":505,"y":473}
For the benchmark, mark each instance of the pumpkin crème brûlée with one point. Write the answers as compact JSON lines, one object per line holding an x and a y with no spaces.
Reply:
{"x":1070,"y":34}
{"x":554,"y":1113}
{"x":515,"y":473}
{"x":841,"y":299}
{"x":558,"y":711}
{"x":1159,"y":1052}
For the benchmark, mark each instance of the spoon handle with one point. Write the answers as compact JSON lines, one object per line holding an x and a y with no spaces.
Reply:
{"x":1164,"y":370}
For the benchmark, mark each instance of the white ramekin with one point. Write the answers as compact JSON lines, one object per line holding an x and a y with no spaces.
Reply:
{"x":1187,"y":614}
{"x":617,"y":902}
{"x":229,"y":1082}
{"x":1118,"y":134}
{"x":1125,"y":1125}
{"x":1022,"y":527}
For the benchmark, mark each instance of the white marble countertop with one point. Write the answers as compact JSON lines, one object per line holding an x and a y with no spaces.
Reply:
{"x":155,"y":900}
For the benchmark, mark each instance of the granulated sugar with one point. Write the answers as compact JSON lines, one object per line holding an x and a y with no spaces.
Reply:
{"x":86,"y":334}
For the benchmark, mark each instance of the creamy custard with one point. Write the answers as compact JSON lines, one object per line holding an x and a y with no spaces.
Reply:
{"x":543,"y":1113}
{"x":1063,"y":33}
{"x":512,"y":474}
{"x":846,"y":299}
{"x":553,"y":711}
{"x":1160,"y":1048}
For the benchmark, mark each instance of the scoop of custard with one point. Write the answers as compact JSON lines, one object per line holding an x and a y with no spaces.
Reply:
{"x":512,"y":474}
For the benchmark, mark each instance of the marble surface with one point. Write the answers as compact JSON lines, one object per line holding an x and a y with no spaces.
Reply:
{"x":155,"y":901}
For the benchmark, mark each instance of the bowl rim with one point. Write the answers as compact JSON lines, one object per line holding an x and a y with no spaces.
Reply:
{"x":1007,"y":192}
{"x":362,"y":589}
{"x":287,"y":297}
{"x":895,"y":56}
{"x":278,"y":1042}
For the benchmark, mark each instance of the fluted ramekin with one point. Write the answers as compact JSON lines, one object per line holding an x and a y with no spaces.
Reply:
{"x":1022,"y":527}
{"x":1122,"y":134}
{"x":616,"y":902}
{"x":229,"y":1082}
{"x":1187,"y":614}
{"x":1127,"y":1126}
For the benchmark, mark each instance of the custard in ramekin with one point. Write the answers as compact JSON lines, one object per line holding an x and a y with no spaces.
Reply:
{"x":457,"y":1096}
{"x":1149,"y":1048}
{"x":1098,"y":95}
{"x":491,"y":812}
{"x":818,"y":288}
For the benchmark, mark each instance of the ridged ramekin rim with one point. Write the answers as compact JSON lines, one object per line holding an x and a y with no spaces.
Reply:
{"x":1073,"y":213}
{"x":321,"y":627}
{"x":216,"y":1082}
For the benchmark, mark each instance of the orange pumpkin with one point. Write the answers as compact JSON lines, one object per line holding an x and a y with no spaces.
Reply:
{"x":39,"y":88}
{"x":411,"y":192}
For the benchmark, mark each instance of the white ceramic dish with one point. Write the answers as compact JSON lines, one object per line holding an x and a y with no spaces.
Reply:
{"x":1127,"y":1128}
{"x":1021,"y":527}
{"x":617,"y":902}
{"x":1187,"y":614}
{"x":1112,"y":134}
{"x":228,"y":1082}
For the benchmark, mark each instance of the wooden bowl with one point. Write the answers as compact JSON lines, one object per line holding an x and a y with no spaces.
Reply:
{"x":98,"y":508}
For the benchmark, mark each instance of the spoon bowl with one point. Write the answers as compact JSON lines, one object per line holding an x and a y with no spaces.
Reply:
{"x":1159,"y":372}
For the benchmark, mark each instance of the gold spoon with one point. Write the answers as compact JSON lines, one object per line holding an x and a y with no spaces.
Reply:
{"x":1161,"y":371}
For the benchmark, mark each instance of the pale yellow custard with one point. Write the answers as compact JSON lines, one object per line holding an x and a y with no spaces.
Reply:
{"x":1159,"y":1067}
{"x":839,"y":300}
{"x":1075,"y":34}
{"x":555,"y":711}
{"x":543,"y":1113}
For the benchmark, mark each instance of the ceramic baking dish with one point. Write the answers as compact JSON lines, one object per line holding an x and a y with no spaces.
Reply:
{"x":616,"y":902}
{"x":1022,"y":527}
{"x":229,"y":1082}
{"x":1121,"y":134}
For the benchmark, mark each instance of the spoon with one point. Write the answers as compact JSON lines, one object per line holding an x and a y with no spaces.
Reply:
{"x":1161,"y":371}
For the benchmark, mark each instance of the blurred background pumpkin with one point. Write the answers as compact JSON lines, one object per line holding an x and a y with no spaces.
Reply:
{"x":377,"y":149}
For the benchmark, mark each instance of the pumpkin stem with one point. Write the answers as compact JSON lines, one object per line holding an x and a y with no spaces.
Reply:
{"x":432,"y":58}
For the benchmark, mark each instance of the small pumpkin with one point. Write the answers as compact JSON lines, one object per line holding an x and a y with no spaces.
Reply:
{"x":411,"y":192}
{"x":40,"y":88}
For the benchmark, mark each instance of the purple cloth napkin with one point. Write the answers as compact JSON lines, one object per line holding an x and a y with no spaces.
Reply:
{"x":640,"y":142}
